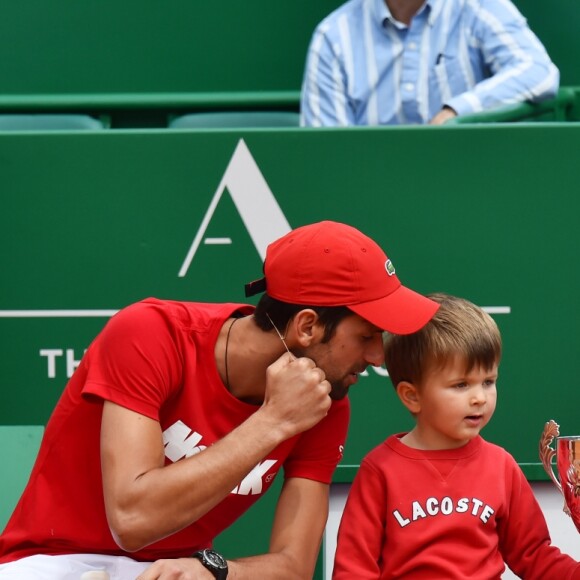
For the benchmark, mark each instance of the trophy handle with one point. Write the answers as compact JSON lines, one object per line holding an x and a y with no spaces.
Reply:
{"x":547,"y":454}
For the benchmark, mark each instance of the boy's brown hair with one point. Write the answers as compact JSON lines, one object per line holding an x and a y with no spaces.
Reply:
{"x":459,"y":328}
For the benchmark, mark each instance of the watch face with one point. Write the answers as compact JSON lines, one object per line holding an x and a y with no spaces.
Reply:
{"x":215,"y":559}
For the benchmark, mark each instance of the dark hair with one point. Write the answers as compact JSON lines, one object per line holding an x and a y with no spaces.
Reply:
{"x":282,"y":312}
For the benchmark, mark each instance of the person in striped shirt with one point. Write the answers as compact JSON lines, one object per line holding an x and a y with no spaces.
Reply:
{"x":394,"y":62}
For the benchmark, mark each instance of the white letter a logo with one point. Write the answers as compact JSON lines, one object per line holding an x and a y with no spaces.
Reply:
{"x":254,"y":201}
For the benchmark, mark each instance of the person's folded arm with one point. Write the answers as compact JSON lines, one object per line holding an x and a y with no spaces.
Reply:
{"x":520,"y":67}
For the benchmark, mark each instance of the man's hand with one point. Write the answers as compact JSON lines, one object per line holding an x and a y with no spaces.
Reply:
{"x":178,"y":569}
{"x":297,"y":394}
{"x":443,"y":116}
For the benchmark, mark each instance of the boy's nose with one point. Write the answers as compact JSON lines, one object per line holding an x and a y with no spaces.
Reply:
{"x":478,"y":396}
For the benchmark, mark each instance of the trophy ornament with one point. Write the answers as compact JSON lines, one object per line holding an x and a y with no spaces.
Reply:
{"x":567,"y":456}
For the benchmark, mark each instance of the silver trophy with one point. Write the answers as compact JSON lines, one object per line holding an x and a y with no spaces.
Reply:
{"x":567,"y":454}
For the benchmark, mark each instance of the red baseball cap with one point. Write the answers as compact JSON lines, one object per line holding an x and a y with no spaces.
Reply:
{"x":333,"y":264}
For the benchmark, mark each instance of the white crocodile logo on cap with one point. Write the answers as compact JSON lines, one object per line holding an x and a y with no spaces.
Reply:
{"x":389,"y":268}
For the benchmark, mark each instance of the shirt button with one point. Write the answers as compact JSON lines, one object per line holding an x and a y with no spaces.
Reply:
{"x":412,"y":46}
{"x":409,"y":86}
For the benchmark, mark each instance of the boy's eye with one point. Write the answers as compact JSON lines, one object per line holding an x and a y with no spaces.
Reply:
{"x":461,"y":385}
{"x":489,"y":382}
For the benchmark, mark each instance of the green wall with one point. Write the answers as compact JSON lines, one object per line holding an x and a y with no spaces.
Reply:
{"x":556,"y":24}
{"x":92,"y":222}
{"x":146,"y":46}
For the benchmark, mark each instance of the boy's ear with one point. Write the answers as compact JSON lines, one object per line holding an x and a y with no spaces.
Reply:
{"x":306,"y":328}
{"x":409,"y":396}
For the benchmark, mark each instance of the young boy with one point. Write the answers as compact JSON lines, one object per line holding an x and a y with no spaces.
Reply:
{"x":439,"y":502}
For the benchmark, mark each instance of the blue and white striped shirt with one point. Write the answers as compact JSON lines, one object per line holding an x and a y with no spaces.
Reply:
{"x":365,"y":68}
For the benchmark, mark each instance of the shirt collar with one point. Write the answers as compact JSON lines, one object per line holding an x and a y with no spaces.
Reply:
{"x":382,"y":12}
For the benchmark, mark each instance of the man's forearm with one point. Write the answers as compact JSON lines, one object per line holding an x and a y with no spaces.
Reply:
{"x":271,"y":566}
{"x":165,"y":499}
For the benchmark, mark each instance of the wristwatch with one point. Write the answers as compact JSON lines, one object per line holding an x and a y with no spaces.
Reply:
{"x":214,"y":562}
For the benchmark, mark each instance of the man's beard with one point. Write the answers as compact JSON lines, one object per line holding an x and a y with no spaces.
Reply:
{"x":337,"y":390}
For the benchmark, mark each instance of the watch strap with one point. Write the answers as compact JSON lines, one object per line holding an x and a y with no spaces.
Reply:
{"x":214,"y":562}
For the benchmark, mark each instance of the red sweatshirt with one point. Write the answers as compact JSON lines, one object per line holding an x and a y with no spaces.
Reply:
{"x":450,"y":514}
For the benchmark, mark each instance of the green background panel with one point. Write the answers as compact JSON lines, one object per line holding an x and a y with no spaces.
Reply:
{"x":19,"y":447}
{"x":99,"y":221}
{"x":149,"y":46}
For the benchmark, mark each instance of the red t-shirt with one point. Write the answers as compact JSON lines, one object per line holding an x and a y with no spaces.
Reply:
{"x":449,"y":514}
{"x":156,"y":358}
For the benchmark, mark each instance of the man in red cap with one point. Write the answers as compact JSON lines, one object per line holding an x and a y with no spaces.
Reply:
{"x":181,"y":414}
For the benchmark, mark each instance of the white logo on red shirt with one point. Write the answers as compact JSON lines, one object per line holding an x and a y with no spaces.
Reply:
{"x":181,"y":441}
{"x":434,"y":507}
